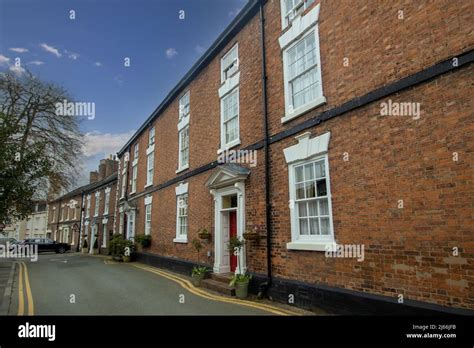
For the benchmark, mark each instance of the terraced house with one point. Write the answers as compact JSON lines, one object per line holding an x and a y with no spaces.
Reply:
{"x":338,"y":134}
{"x":86,"y":212}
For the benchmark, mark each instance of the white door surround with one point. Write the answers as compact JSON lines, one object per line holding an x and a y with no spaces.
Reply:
{"x":130,"y":224}
{"x":227,"y":180}
{"x":93,"y":233}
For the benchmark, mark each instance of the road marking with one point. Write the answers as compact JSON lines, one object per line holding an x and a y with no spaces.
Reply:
{"x":29,"y":295}
{"x":198,"y":292}
{"x":21,"y":306}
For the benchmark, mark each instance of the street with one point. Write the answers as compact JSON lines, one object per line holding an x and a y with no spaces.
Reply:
{"x":77,"y":284}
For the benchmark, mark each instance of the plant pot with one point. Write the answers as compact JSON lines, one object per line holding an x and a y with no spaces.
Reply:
{"x":242,"y":289}
{"x":126,"y":258}
{"x":117,"y":257}
{"x":250,"y":235}
{"x":84,"y":250}
{"x":197,"y":279}
{"x":204,"y":236}
{"x":95,"y":251}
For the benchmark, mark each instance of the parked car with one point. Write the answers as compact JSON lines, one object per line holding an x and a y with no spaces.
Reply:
{"x":46,"y":244}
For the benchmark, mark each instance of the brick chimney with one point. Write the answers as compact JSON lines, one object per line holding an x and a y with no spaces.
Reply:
{"x":111,"y":166}
{"x":93,"y":177}
{"x":102,"y":165}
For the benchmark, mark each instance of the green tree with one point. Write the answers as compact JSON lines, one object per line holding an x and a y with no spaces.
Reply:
{"x":38,"y":148}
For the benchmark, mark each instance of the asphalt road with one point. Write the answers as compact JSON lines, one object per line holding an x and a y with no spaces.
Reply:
{"x":76,"y":284}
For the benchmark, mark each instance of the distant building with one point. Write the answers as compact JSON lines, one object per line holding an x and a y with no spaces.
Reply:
{"x":34,"y":226}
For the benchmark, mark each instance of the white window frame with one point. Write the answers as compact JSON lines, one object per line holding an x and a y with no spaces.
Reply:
{"x":234,"y":64}
{"x":290,"y":112}
{"x":181,"y":190}
{"x":308,"y":150}
{"x":150,"y":164}
{"x":88,"y":206}
{"x":148,"y":219}
{"x":183,"y":101}
{"x":107,"y":201}
{"x":181,"y":165}
{"x":151,"y":136}
{"x":134,"y":178}
{"x":136,"y":151}
{"x":104,"y":236}
{"x":97,"y":202}
{"x":123,"y":185}
{"x":53,"y":214}
{"x":294,"y":12}
{"x":235,"y":142}
{"x":67,"y":212}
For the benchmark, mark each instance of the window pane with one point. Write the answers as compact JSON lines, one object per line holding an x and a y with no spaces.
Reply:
{"x":320,"y":173}
{"x":325,"y":226}
{"x":312,"y":208}
{"x":308,"y":172}
{"x":310,"y":190}
{"x":314,"y":227}
{"x":299,"y":174}
{"x":323,"y":207}
{"x":299,"y":191}
{"x":302,"y":210}
{"x":322,"y":188}
{"x":304,"y":226}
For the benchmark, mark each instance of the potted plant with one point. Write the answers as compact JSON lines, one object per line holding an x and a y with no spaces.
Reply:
{"x":198,"y":274}
{"x":127,"y":250}
{"x":143,"y":241}
{"x":203,"y":233}
{"x":95,"y":250}
{"x":84,"y":246}
{"x":240,"y":281}
{"x":117,"y":247}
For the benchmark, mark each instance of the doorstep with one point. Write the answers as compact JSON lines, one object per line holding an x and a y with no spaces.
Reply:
{"x":219,"y":283}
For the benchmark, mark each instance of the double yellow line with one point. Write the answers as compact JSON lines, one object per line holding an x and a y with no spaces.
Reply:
{"x":22,"y":287}
{"x":186,"y":284}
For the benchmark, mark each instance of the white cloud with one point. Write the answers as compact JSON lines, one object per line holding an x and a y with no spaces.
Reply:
{"x":103,"y":144}
{"x":18,"y":49}
{"x":35,"y":62}
{"x":4,"y":60}
{"x":119,"y":80}
{"x":98,"y":64}
{"x":171,"y":52}
{"x":51,"y":49}
{"x":71,"y":55}
{"x":18,"y":70}
{"x":199,"y":49}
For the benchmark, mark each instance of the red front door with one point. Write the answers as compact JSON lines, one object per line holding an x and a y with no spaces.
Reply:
{"x":233,"y":233}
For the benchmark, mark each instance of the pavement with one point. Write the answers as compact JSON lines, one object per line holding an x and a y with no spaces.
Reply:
{"x":7,"y":271}
{"x":78,"y":284}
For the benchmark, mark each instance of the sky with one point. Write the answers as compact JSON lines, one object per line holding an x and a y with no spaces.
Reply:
{"x":85,"y":52}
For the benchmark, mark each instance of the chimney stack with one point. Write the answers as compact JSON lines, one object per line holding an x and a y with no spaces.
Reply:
{"x":111,"y":166}
{"x":93,"y":177}
{"x":102,"y":171}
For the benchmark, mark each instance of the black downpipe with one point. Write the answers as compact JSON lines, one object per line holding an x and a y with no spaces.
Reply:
{"x":264,"y":287}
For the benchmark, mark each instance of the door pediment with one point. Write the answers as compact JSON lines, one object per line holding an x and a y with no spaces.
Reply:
{"x":225,"y":175}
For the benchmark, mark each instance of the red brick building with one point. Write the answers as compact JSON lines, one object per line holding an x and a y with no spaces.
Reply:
{"x":319,"y":125}
{"x":86,"y":212}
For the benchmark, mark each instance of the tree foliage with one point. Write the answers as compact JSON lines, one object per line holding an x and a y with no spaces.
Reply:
{"x":38,"y":148}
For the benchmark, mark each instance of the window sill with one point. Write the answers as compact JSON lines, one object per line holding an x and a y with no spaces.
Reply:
{"x":302,"y":109}
{"x":180,"y":240}
{"x":229,"y":146}
{"x":182,"y":169}
{"x":133,"y":192}
{"x":310,"y":246}
{"x":148,"y":185}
